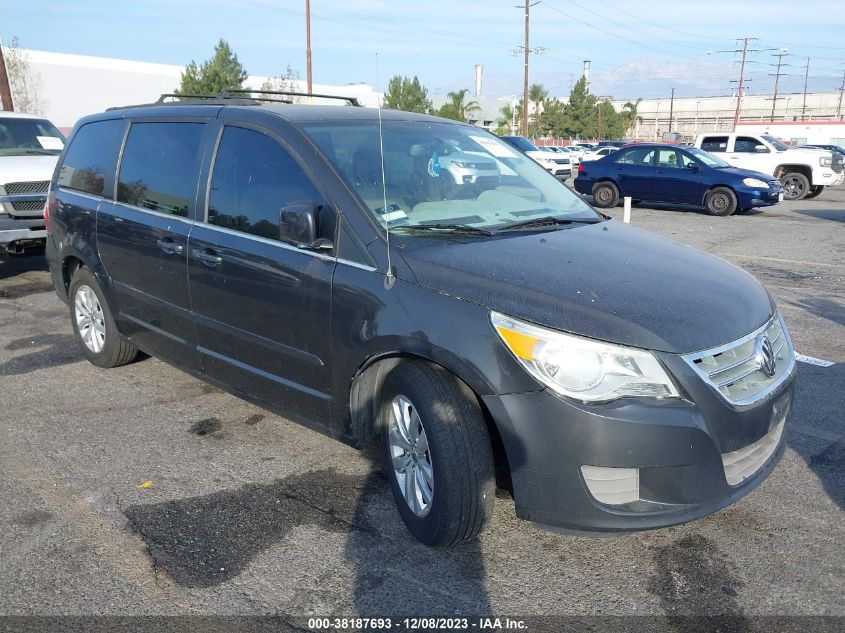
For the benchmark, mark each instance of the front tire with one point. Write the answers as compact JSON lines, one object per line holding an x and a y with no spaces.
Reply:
{"x":605,"y":195}
{"x":437,"y":454}
{"x":795,"y":186}
{"x":720,"y":201}
{"x":93,"y":324}
{"x":814,"y":192}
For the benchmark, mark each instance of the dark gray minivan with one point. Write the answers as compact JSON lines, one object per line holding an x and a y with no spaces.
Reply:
{"x":332,"y":264}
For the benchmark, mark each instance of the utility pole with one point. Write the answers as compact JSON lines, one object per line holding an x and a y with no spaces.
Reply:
{"x":526,"y":50}
{"x":671,"y":110}
{"x":841,"y":92}
{"x":741,"y":77}
{"x":745,"y":51}
{"x":5,"y":89}
{"x":308,"y":46}
{"x":806,"y":75}
{"x":599,"y":126}
{"x":777,"y":75}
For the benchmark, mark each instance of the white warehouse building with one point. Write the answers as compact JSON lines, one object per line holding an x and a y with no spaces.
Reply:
{"x":72,"y":86}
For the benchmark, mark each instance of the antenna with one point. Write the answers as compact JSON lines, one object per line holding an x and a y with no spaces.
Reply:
{"x":390,"y":277}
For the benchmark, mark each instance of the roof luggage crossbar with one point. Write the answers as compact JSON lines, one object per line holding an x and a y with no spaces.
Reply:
{"x":245,"y":96}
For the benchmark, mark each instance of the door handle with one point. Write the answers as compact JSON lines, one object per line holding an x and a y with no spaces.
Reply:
{"x":169,"y":246}
{"x":208,"y":257}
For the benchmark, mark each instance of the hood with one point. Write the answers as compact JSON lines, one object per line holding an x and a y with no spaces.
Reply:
{"x":746,"y":173}
{"x":608,"y":281}
{"x":26,"y":168}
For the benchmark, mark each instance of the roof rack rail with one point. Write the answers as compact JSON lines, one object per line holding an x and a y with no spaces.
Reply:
{"x":229,"y":93}
{"x":232,"y":96}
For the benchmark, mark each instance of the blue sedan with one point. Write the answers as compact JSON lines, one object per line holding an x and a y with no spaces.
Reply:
{"x":678,"y":175}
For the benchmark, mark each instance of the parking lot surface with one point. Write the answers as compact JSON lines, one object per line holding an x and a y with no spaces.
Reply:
{"x":141,"y":490}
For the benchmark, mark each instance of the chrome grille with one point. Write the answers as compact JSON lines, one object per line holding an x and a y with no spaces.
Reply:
{"x":838,"y":163}
{"x":36,"y":186}
{"x":738,"y":370}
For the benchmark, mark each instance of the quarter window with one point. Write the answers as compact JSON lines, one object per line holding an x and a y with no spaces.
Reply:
{"x":253,"y":178}
{"x":91,"y":156}
{"x":746,"y":144}
{"x":636,"y":156}
{"x":159,"y":166}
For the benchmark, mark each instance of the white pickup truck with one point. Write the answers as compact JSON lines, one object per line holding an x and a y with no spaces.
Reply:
{"x":29,"y":148}
{"x":803,"y":172}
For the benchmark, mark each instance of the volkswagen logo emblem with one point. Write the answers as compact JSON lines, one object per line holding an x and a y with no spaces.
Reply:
{"x":765,"y":355}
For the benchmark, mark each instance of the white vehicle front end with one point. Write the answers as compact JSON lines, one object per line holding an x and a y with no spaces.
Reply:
{"x":557,"y":165}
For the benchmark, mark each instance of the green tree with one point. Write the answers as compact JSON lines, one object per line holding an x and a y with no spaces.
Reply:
{"x":579,"y":116}
{"x":457,"y":107}
{"x":218,"y":73}
{"x":506,"y":123}
{"x":408,"y":95}
{"x":552,"y":120}
{"x":613,"y":124}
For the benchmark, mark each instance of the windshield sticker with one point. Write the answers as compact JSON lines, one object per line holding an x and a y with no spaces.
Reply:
{"x":494,"y":147}
{"x":50,"y":142}
{"x":392,"y":214}
{"x":434,"y":166}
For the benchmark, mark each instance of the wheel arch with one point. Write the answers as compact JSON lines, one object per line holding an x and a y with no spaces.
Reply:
{"x":782,"y":170}
{"x":368,"y":382}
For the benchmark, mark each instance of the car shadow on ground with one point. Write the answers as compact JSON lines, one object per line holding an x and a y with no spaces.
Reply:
{"x":824,"y":308}
{"x":817,"y":432}
{"x":836,"y":215}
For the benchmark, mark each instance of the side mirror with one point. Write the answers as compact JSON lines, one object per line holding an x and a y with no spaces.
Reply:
{"x":693,"y":167}
{"x":761,"y":149}
{"x":298,"y":224}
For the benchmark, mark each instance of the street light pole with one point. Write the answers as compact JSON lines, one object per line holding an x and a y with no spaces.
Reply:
{"x":526,"y":52}
{"x":308,"y":46}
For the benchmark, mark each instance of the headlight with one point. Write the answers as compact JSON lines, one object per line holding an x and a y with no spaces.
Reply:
{"x":463,"y":164}
{"x":755,"y":182}
{"x":581,"y":368}
{"x":826,"y":162}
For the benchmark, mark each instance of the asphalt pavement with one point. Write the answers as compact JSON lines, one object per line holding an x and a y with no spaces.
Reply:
{"x":142,"y":490}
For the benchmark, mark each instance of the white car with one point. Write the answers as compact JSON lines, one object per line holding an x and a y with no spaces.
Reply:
{"x":601,"y":152}
{"x":29,"y":148}
{"x":557,"y":165}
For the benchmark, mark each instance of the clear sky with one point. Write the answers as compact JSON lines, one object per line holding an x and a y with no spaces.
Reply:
{"x":638,"y":49}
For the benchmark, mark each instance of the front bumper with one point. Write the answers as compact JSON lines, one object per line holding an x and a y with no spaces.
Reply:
{"x":747,"y":198}
{"x":827,"y":177}
{"x":21,"y":229}
{"x":676,"y":445}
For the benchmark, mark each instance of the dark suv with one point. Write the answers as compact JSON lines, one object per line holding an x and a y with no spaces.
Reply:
{"x":317,"y":261}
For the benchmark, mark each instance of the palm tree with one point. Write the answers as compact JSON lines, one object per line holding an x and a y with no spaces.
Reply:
{"x":506,"y":119}
{"x":629,"y":111}
{"x":456,"y":101}
{"x":537,"y":95}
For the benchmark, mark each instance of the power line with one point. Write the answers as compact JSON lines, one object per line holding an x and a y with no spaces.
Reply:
{"x":709,"y":38}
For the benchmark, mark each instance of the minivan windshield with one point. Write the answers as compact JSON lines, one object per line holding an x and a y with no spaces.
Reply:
{"x":445,"y":175}
{"x":707,"y":158}
{"x":21,"y":136}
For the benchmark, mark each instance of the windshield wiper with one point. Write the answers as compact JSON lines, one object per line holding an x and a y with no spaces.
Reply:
{"x":453,"y":228}
{"x":546,"y":221}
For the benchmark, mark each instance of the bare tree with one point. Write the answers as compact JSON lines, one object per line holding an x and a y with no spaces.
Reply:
{"x":25,"y":82}
{"x":289,"y":82}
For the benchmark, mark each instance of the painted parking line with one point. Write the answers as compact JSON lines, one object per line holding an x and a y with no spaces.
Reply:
{"x":780,"y":260}
{"x":809,"y":360}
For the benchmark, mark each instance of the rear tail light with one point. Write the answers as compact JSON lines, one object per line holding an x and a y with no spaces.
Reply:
{"x":581,"y":169}
{"x":48,"y":205}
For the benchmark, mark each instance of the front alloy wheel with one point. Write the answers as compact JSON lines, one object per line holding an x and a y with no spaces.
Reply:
{"x":411,"y":456}
{"x":90,"y":321}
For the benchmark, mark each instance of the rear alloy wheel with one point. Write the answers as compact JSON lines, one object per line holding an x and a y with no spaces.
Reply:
{"x":795,"y":186}
{"x":93,"y":324}
{"x":720,"y":201}
{"x":437,"y":454}
{"x":814,"y":192}
{"x":605,"y":195}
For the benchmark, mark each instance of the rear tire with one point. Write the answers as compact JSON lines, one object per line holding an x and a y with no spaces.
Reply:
{"x":605,"y":195}
{"x":437,"y":454}
{"x":814,"y":192}
{"x":93,"y":324}
{"x":795,"y":186}
{"x":720,"y":201}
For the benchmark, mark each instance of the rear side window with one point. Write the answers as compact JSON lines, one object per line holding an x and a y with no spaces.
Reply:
{"x":91,"y":157}
{"x":715,"y":144}
{"x":253,"y":177}
{"x":746,"y":144}
{"x":636,"y":156}
{"x":159,"y":166}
